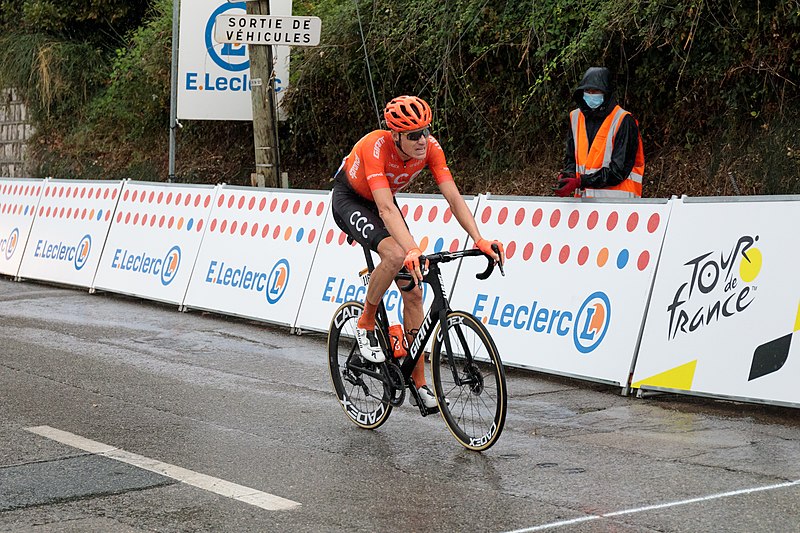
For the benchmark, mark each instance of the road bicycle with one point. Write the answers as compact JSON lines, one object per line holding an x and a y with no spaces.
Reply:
{"x":468,"y":376}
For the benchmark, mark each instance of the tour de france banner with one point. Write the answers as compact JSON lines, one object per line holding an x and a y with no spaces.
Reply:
{"x":578,"y":274}
{"x":335,"y":273}
{"x":154,"y":239}
{"x":214,"y":78}
{"x":724,"y":318}
{"x":257,"y":253}
{"x":19,"y":199}
{"x":69,"y":230}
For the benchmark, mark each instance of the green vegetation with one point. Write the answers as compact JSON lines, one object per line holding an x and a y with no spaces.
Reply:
{"x":715,"y":86}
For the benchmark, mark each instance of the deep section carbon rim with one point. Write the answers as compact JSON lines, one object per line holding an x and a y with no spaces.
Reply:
{"x":472,"y":380}
{"x":356,"y":382}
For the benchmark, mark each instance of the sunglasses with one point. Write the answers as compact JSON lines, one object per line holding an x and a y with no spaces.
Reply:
{"x":416,"y":135}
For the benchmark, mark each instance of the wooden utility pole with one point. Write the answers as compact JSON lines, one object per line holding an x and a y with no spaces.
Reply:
{"x":262,"y":82}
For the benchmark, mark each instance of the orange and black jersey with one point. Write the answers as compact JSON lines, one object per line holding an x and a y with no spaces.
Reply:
{"x":374,"y":163}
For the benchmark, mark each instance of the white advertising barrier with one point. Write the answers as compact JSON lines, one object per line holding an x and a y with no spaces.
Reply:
{"x":19,"y":199}
{"x":335,"y":273}
{"x":69,"y":230}
{"x":154,"y":239}
{"x":577,"y":279}
{"x":257,"y":253}
{"x":214,"y":78}
{"x":725,"y":311}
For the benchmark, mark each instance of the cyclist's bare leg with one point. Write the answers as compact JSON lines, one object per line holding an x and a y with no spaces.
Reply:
{"x":412,"y":319}
{"x":392,"y":256}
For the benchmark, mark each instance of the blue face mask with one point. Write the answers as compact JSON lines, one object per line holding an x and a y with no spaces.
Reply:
{"x":593,"y":100}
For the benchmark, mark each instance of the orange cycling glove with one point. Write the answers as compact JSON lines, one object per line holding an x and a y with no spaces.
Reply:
{"x":486,"y":247}
{"x":411,"y":262}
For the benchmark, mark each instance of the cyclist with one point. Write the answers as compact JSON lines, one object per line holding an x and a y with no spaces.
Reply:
{"x":380,"y":164}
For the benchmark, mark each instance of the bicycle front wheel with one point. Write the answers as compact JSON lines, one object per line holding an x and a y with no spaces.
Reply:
{"x":470,"y":382}
{"x":359,"y":385}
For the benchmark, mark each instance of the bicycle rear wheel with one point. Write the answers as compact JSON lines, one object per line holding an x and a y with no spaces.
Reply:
{"x":358,"y":384}
{"x":471,"y":377}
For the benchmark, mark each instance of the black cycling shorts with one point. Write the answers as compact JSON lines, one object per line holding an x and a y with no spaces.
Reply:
{"x":357,"y":216}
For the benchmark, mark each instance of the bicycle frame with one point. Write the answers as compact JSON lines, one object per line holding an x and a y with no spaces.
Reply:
{"x":438,"y":312}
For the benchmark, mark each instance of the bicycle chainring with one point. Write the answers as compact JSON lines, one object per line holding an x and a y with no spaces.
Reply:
{"x":394,"y":385}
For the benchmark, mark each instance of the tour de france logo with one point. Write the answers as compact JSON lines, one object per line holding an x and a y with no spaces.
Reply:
{"x":719,"y":284}
{"x":229,"y":56}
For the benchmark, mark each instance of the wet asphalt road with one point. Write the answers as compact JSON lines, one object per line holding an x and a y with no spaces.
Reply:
{"x":252,"y":405}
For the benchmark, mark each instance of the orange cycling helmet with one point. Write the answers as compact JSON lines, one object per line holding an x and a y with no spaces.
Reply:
{"x":407,"y":113}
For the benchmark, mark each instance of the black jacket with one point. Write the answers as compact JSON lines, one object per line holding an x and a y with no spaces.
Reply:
{"x":626,"y":143}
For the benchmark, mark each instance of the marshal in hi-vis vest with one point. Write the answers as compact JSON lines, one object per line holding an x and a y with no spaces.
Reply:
{"x":591,"y":159}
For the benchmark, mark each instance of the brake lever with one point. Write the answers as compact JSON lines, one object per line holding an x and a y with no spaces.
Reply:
{"x":423,"y":261}
{"x":496,"y":249}
{"x":490,"y":267}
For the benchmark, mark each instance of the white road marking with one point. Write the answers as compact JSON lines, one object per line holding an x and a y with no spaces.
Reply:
{"x":241,"y":493}
{"x":553,"y":525}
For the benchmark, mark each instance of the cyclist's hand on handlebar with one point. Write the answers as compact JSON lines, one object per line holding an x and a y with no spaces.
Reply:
{"x":411,"y":262}
{"x":485,"y":246}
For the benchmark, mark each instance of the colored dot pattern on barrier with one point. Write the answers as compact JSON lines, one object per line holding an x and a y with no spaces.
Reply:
{"x":19,"y":199}
{"x":81,"y":201}
{"x":247,"y":215}
{"x":176,"y":210}
{"x":561,"y":218}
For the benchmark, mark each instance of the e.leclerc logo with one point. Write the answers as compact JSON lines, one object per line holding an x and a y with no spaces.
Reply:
{"x":588,"y":325}
{"x":9,"y":245}
{"x":339,"y":290}
{"x":77,"y":255}
{"x":273,"y":283}
{"x":142,"y":263}
{"x":229,"y":56}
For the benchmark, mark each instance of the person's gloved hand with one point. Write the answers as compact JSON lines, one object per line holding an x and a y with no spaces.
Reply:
{"x":411,"y":262}
{"x":567,"y":183}
{"x":485,"y":246}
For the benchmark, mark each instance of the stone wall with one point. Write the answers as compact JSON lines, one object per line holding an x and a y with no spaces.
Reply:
{"x":15,"y":131}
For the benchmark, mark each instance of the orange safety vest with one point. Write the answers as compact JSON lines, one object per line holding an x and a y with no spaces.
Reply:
{"x":591,"y":159}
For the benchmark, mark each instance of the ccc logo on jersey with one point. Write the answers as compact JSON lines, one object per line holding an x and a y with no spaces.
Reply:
{"x":277,"y":281}
{"x":591,"y":322}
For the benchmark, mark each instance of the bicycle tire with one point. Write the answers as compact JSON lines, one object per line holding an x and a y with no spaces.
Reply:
{"x":475,"y":411}
{"x":363,"y":398}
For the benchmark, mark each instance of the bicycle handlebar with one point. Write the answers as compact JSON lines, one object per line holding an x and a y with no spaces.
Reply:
{"x":446,"y":257}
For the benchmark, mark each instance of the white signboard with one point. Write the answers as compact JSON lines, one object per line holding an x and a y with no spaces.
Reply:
{"x":334,"y":277}
{"x":69,"y":230}
{"x":577,"y":279}
{"x":214,"y":77}
{"x":154,"y":239}
{"x":724,"y":319}
{"x":267,"y":29}
{"x":19,"y":199}
{"x":257,"y":253}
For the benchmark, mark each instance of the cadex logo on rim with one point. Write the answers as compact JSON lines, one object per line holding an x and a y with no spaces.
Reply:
{"x":9,"y":246}
{"x":277,"y":281}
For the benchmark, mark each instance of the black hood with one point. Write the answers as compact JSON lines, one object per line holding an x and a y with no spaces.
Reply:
{"x":598,"y":78}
